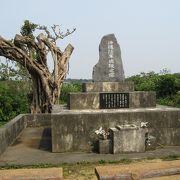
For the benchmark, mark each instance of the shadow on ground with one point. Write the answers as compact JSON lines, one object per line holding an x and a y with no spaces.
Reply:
{"x":36,"y":139}
{"x":46,"y":142}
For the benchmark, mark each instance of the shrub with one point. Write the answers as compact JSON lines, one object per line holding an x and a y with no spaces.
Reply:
{"x":13,"y":99}
{"x":67,"y":88}
{"x":166,"y":85}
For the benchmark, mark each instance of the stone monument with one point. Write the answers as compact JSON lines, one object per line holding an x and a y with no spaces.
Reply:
{"x":109,"y":90}
{"x":110,"y":66}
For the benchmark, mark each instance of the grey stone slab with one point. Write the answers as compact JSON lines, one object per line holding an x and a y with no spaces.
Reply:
{"x":105,"y":146}
{"x":108,"y":87}
{"x":110,"y":67}
{"x":142,"y":99}
{"x":127,"y":140}
{"x":83,"y":101}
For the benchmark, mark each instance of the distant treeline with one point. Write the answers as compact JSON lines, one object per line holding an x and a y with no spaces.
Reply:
{"x":69,"y":80}
{"x":167,"y":86}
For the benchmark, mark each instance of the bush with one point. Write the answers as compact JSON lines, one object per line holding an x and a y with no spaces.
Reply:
{"x":67,"y":88}
{"x":166,"y":85}
{"x":13,"y":99}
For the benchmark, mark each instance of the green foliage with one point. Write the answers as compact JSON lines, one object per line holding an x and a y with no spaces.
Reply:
{"x":167,"y":86}
{"x":145,"y":81}
{"x":171,"y":157}
{"x":173,"y":100}
{"x":13,"y":99}
{"x":12,"y":71}
{"x":28,"y":28}
{"x":7,"y":71}
{"x":67,"y":88}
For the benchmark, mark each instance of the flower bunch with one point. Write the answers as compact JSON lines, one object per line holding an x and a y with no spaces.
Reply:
{"x":102,"y":133}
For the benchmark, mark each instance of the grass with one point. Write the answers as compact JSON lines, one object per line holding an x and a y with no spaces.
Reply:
{"x":87,"y":163}
{"x":85,"y":169}
{"x":2,"y":123}
{"x":171,"y":158}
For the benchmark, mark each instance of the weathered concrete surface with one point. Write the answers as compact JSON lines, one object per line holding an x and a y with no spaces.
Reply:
{"x":74,"y":130}
{"x":83,"y":100}
{"x":141,"y":99}
{"x":127,"y":140}
{"x":138,"y":171}
{"x":105,"y":146}
{"x":90,"y":100}
{"x":58,"y":108}
{"x":10,"y":131}
{"x":32,"y":174}
{"x":33,"y":146}
{"x":38,"y":120}
{"x":110,"y":67}
{"x":108,"y":86}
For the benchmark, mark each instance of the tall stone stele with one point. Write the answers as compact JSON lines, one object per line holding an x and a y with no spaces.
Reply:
{"x":109,"y":90}
{"x":110,"y":66}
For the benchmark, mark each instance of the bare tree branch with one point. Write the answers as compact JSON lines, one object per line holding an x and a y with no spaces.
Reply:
{"x":57,"y":32}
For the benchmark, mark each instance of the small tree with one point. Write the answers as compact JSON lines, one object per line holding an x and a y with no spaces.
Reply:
{"x":31,"y":52}
{"x":166,"y":85}
{"x":12,"y":71}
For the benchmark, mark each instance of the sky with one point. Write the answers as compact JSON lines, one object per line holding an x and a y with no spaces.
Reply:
{"x":148,"y":31}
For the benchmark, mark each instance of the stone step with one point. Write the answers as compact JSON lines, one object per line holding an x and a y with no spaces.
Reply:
{"x":138,"y":171}
{"x":108,"y":86}
{"x":32,"y":174}
{"x":59,"y":108}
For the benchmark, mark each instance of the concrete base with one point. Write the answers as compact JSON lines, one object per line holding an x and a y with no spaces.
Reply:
{"x":75,"y":130}
{"x":33,"y":146}
{"x":91,"y":100}
{"x":127,"y":140}
{"x":105,"y":146}
{"x":150,"y":143}
{"x":108,"y":87}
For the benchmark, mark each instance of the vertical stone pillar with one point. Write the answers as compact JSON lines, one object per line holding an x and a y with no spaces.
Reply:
{"x":110,"y":67}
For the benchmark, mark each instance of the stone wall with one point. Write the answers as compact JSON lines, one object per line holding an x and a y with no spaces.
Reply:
{"x":74,"y":131}
{"x":38,"y":120}
{"x":142,"y":99}
{"x":10,"y":131}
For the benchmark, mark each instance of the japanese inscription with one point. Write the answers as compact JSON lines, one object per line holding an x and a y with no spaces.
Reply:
{"x":111,"y":59}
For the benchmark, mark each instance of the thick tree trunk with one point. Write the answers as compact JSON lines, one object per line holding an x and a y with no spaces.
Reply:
{"x":46,"y":85}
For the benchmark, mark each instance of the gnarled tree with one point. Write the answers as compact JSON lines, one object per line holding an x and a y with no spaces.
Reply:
{"x":31,"y":52}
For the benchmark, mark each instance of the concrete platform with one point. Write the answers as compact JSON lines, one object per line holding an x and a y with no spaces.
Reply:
{"x":74,"y":130}
{"x":32,"y":174}
{"x":125,"y":86}
{"x":33,"y":146}
{"x":91,"y":100}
